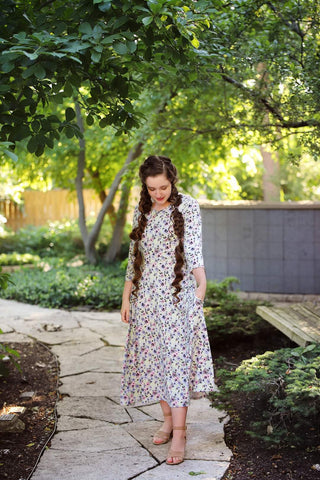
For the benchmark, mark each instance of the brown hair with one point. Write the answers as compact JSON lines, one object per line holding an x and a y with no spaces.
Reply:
{"x":152,"y":166}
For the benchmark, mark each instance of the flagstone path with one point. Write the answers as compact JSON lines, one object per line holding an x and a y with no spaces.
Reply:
{"x":96,"y":438}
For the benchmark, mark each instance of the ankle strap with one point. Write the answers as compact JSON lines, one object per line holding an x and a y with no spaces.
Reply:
{"x":180,"y":428}
{"x":168,"y":415}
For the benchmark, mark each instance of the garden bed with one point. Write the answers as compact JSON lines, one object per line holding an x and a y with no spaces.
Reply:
{"x":19,"y":452}
{"x":252,"y":458}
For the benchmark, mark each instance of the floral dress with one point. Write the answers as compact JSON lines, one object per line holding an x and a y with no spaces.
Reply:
{"x":167,"y":351}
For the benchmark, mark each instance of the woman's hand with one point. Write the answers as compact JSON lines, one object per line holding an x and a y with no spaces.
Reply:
{"x":200,"y":292}
{"x":125,"y":307}
{"x":200,"y":276}
{"x":125,"y":311}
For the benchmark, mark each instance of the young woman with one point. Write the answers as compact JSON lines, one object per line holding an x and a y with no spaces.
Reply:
{"x":167,"y":353}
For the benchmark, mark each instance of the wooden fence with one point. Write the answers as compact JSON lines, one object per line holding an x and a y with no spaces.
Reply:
{"x":40,"y":207}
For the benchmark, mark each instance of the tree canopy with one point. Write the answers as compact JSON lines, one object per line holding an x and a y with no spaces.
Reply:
{"x":102,"y":52}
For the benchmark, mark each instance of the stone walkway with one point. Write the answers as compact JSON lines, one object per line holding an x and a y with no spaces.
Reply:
{"x":96,"y":438}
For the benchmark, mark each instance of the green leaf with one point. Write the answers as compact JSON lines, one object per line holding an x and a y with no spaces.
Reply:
{"x":32,"y":144}
{"x":85,"y":28}
{"x":147,"y":20}
{"x":69,"y":131}
{"x":12,"y":155}
{"x":70,"y":114}
{"x":103,"y":122}
{"x":131,"y":46}
{"x":195,"y":42}
{"x":39,"y":71}
{"x":95,"y":56}
{"x":120,"y":48}
{"x":68,"y":90}
{"x":7,"y":67}
{"x":90,"y":120}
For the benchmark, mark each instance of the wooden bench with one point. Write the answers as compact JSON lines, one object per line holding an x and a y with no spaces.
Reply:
{"x":298,"y":321}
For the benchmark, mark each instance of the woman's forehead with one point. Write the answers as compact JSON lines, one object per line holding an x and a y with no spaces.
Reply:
{"x":157,"y":181}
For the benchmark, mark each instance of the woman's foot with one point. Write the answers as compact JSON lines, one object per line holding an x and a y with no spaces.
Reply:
{"x":163,"y":435}
{"x":176,"y":452}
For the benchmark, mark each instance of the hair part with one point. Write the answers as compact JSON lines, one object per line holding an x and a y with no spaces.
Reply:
{"x":157,"y":165}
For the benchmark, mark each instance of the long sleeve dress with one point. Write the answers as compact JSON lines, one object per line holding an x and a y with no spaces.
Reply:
{"x":167,"y":353}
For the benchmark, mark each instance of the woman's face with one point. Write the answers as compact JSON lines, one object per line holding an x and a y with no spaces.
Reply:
{"x":159,"y":189}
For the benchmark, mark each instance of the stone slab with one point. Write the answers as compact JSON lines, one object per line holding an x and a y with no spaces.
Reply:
{"x":67,"y":424}
{"x":70,"y":465}
{"x":113,"y":331}
{"x":71,"y":336}
{"x":210,"y":471}
{"x":106,"y":359}
{"x":204,"y":441}
{"x":96,"y":408}
{"x":6,"y":328}
{"x":137,"y":416}
{"x":75,"y":350}
{"x":93,"y":385}
{"x":143,"y":432}
{"x":15,"y":338}
{"x":199,"y":411}
{"x":13,"y":312}
{"x":102,"y":439}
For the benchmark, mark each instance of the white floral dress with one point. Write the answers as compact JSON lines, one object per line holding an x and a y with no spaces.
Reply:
{"x":167,"y":352}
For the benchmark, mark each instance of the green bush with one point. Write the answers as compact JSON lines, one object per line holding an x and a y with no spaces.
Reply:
{"x":7,"y":354}
{"x":68,"y":287}
{"x":18,"y":258}
{"x":53,"y":239}
{"x":281,"y":391}
{"x":230,"y":318}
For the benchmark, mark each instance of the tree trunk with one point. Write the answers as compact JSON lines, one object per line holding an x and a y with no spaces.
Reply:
{"x":89,"y":249}
{"x":89,"y":238}
{"x":271,"y":176}
{"x":117,"y":235}
{"x":95,"y":175}
{"x":94,"y":234}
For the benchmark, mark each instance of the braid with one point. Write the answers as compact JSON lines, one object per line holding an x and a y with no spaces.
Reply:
{"x":157,"y":165}
{"x":145,"y":205}
{"x":178,"y":226}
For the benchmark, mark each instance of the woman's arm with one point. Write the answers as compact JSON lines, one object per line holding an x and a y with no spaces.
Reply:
{"x":200,"y":276}
{"x":125,"y":307}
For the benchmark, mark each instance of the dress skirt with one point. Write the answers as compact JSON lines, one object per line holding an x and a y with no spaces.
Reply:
{"x":167,"y":354}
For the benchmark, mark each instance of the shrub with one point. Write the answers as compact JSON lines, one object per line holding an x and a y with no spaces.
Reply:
{"x":7,"y":354}
{"x":69,"y":287}
{"x":230,"y":318}
{"x":18,"y":258}
{"x":281,"y":391}
{"x":53,"y":239}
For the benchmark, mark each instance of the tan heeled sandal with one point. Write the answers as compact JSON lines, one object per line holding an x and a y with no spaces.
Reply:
{"x":176,"y":453}
{"x":164,"y":436}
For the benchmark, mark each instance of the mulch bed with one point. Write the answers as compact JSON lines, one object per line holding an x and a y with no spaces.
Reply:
{"x":19,"y":452}
{"x":252,"y":459}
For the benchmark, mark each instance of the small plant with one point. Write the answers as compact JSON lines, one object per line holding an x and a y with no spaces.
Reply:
{"x":63,"y":286}
{"x":281,"y":390}
{"x":7,"y":354}
{"x":15,"y":258}
{"x":4,"y":280}
{"x":228,"y":317}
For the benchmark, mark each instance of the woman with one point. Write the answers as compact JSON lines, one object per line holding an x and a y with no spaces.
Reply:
{"x":167,"y":352}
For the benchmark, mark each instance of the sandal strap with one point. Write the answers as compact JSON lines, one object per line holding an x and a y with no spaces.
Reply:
{"x":175,"y":453}
{"x":179,"y":428}
{"x":168,"y":415}
{"x":163,"y":435}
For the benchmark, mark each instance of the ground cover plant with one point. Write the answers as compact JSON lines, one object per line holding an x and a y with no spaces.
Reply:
{"x":64,"y":286}
{"x":282,"y":392}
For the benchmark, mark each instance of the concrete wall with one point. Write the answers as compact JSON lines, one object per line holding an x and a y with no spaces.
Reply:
{"x":269,"y":247}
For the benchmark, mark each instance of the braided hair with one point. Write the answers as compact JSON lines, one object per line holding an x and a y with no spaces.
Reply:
{"x":152,"y":166}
